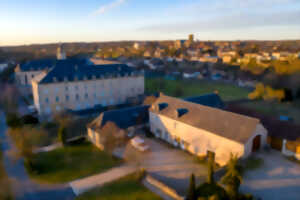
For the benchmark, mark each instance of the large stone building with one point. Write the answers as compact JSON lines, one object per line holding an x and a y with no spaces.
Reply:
{"x":24,"y":73}
{"x":78,"y":86}
{"x":202,"y":130}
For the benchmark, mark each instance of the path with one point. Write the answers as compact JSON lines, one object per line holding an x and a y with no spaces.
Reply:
{"x":277,"y":179}
{"x":82,"y":185}
{"x":23,"y":187}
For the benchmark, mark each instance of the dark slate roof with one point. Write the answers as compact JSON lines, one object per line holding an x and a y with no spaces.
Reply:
{"x":76,"y":72}
{"x":211,"y":100}
{"x":226,"y":124}
{"x":42,"y":64}
{"x":123,"y":118}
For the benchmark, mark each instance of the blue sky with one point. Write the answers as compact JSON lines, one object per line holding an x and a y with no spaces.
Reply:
{"x":45,"y":21}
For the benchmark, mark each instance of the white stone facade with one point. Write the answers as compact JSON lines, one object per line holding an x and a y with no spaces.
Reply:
{"x":199,"y":141}
{"x":78,"y":95}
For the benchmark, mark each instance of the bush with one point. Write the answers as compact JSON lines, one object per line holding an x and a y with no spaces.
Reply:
{"x":207,"y":190}
{"x":13,"y":120}
{"x":29,"y":119}
{"x":141,"y":174}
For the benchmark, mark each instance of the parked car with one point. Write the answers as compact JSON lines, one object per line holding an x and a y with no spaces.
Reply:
{"x":139,"y":144}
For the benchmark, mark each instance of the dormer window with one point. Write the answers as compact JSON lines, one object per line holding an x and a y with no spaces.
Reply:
{"x":180,"y":112}
{"x":162,"y":106}
{"x":54,"y":79}
{"x":65,"y":79}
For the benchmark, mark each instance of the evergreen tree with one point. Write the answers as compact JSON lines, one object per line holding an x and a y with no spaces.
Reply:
{"x":192,"y":188}
{"x":232,"y":179}
{"x":62,"y":135}
{"x":210,"y":169}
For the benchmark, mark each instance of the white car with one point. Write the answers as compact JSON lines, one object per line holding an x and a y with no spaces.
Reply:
{"x":139,"y":144}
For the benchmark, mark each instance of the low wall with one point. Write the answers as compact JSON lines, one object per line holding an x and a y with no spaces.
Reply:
{"x":164,"y":188}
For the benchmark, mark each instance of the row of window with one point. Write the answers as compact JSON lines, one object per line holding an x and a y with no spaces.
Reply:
{"x":67,"y":98}
{"x":46,"y":91}
{"x":84,"y":105}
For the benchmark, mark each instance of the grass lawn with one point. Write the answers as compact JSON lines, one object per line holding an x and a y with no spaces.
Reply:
{"x":70,"y":163}
{"x":127,"y":188}
{"x":195,"y":87}
{"x":275,"y":109}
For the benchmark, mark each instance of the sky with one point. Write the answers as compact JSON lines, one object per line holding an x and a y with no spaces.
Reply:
{"x":48,"y":21}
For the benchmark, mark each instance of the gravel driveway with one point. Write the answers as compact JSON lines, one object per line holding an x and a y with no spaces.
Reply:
{"x":277,"y":179}
{"x":172,"y":166}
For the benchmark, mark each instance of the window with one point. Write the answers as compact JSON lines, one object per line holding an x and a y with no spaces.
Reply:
{"x":86,"y":96}
{"x":57,"y":108}
{"x":77,"y":97}
{"x":95,"y":95}
{"x":46,"y":91}
{"x":26,"y":81}
{"x":67,"y":97}
{"x":47,"y":100}
{"x":32,"y":76}
{"x":76,"y":87}
{"x":48,"y":110}
{"x":57,"y":99}
{"x":66,"y":88}
{"x":85,"y":87}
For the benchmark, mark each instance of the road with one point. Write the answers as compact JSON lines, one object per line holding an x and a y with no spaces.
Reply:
{"x":23,"y":187}
{"x":277,"y":179}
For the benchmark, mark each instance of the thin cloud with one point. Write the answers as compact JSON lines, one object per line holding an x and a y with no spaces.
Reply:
{"x":105,"y":8}
{"x":229,"y":22}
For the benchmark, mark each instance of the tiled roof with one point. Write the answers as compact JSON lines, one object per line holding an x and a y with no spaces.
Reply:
{"x":123,"y":118}
{"x":211,"y":100}
{"x":226,"y":124}
{"x":42,"y":64}
{"x":76,"y":72}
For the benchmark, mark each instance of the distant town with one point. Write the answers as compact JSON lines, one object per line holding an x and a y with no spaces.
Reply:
{"x":183,"y":119}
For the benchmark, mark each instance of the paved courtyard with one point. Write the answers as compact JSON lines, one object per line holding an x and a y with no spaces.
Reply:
{"x":172,"y":166}
{"x":277,"y":179}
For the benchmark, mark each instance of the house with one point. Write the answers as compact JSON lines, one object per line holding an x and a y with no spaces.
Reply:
{"x":127,"y":119}
{"x":179,"y":44}
{"x":203,"y":130}
{"x":212,"y":59}
{"x":25,"y":72}
{"x":77,"y":87}
{"x":227,"y":59}
{"x":212,"y":100}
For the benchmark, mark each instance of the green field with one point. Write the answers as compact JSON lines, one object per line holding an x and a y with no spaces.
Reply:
{"x":70,"y":163}
{"x":186,"y":88}
{"x":127,"y":188}
{"x":274,"y":109}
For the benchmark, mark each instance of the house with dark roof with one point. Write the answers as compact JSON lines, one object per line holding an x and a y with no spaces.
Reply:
{"x":25,"y":72}
{"x":127,"y":119}
{"x":211,"y":100}
{"x":78,"y":86}
{"x":203,"y":129}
